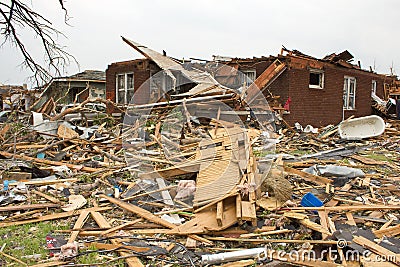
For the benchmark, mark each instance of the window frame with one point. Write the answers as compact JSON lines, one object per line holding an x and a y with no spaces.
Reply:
{"x":124,"y":89}
{"x":347,"y":95}
{"x":246,"y":78}
{"x":374,"y":85}
{"x":322,"y":79}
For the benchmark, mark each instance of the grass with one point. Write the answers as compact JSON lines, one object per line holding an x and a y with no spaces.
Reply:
{"x":379,"y":157}
{"x":30,"y":239}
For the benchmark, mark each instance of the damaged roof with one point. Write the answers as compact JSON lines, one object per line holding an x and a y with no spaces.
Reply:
{"x":89,"y":75}
{"x":204,"y":80}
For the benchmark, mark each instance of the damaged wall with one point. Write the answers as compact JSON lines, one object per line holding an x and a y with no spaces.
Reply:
{"x":313,"y":106}
{"x":141,"y":68}
{"x":320,"y":107}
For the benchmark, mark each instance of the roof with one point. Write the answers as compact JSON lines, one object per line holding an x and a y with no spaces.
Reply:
{"x":89,"y":75}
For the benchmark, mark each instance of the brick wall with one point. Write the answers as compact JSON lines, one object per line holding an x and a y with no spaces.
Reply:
{"x":141,"y":68}
{"x":320,"y":107}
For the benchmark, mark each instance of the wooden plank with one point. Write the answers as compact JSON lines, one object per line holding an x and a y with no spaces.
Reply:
{"x":29,"y":207}
{"x":324,"y":222}
{"x":78,"y":224}
{"x":387,"y":254}
{"x":249,"y":212}
{"x":103,"y":223}
{"x":48,"y":162}
{"x":146,"y":215}
{"x":164,"y":193}
{"x":139,"y":211}
{"x":388,"y":232}
{"x":239,"y":208}
{"x":120,"y":227}
{"x":43,"y":195}
{"x":387,"y":224}
{"x":206,"y":221}
{"x":315,"y":226}
{"x":309,"y":177}
{"x":53,"y":216}
{"x":100,"y":220}
{"x":44,"y":182}
{"x":50,"y":264}
{"x":350,"y":219}
{"x":220,"y":212}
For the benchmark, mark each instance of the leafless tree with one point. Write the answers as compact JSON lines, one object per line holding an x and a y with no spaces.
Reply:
{"x":15,"y":16}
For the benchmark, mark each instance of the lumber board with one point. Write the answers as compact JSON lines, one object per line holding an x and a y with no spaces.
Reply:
{"x":53,"y":216}
{"x":309,"y":177}
{"x":387,"y":254}
{"x":29,"y":207}
{"x":48,"y":162}
{"x":147,"y":215}
{"x":103,"y":223}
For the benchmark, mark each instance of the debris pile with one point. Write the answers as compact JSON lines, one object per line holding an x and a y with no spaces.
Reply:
{"x":200,"y":177}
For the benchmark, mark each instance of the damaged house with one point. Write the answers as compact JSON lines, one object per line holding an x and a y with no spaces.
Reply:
{"x":310,"y":90}
{"x":72,"y":89}
{"x":299,"y":87}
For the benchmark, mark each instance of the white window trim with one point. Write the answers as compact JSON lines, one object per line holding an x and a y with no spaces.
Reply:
{"x":348,"y":79}
{"x":373,"y":87}
{"x":125,"y":89}
{"x":317,"y":71}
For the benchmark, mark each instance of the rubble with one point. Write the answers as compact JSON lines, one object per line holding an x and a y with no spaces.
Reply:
{"x":201,"y":177}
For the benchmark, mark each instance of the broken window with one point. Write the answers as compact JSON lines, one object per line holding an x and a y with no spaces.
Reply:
{"x":125,"y":88}
{"x":349,"y":93}
{"x":316,"y":79}
{"x":248,"y":77}
{"x":373,"y":87}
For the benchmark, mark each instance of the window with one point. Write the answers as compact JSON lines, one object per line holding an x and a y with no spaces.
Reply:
{"x":248,"y":77}
{"x":373,"y":87}
{"x":125,"y":89}
{"x":349,"y":93}
{"x":316,"y":79}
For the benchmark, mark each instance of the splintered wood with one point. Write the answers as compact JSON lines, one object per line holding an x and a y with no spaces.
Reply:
{"x":219,"y":174}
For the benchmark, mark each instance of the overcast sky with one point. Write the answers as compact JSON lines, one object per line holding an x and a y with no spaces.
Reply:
{"x":369,"y":29}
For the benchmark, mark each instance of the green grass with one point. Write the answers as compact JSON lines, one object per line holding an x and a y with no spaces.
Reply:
{"x":379,"y":157}
{"x":30,"y":239}
{"x":26,"y":240}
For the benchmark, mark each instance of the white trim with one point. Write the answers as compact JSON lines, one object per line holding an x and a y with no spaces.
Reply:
{"x":373,"y":86}
{"x":346,"y":93}
{"x":125,"y":89}
{"x":322,"y":79}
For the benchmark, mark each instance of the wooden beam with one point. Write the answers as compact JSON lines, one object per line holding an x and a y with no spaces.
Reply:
{"x":54,"y":216}
{"x":48,"y":162}
{"x":78,"y":224}
{"x":385,"y":253}
{"x":388,"y":232}
{"x":148,"y":215}
{"x":308,"y":176}
{"x":29,"y":207}
{"x":103,"y":223}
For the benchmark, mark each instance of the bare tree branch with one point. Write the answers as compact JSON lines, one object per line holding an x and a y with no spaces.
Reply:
{"x":15,"y":16}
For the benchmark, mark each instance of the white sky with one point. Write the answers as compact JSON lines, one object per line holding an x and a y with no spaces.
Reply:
{"x":184,"y":28}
